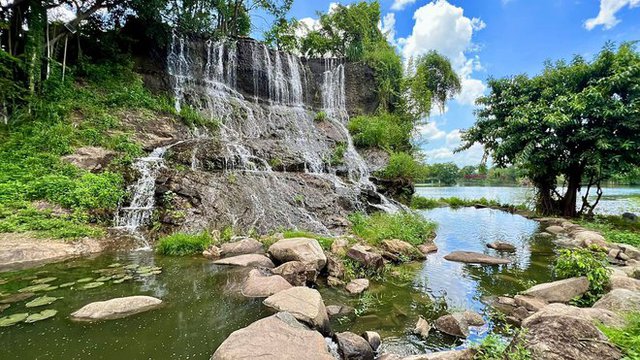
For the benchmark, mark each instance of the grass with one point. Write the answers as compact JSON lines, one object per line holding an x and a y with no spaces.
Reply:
{"x":325,"y":242}
{"x":384,"y":131}
{"x":337,"y":156}
{"x":180,"y":244}
{"x":615,"y":229}
{"x":320,"y":116}
{"x":496,"y":347}
{"x":422,"y":203}
{"x":409,"y":227}
{"x":626,"y":338}
{"x":403,"y":166}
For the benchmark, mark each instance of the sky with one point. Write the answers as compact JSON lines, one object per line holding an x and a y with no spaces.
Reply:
{"x":491,"y":38}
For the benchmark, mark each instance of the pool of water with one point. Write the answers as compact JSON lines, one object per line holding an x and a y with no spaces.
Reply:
{"x":614,"y":201}
{"x":202,"y":305}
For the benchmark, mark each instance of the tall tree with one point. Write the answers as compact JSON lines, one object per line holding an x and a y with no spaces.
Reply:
{"x":578,"y":121}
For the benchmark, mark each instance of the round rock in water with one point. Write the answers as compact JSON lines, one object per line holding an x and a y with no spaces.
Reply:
{"x":116,"y":308}
{"x":305,"y":250}
{"x":304,"y":304}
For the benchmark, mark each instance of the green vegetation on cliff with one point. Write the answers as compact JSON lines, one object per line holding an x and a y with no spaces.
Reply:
{"x":409,"y":227}
{"x":180,"y":244}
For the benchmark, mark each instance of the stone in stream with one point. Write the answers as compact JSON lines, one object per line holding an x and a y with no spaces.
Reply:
{"x":116,"y":308}
{"x":501,"y":246}
{"x":364,"y":256}
{"x":373,"y":338}
{"x":555,"y":229}
{"x":17,"y":297}
{"x":561,"y":332}
{"x":530,"y":303}
{"x":340,"y":311}
{"x":353,"y":347}
{"x":241,"y":247}
{"x":422,"y":328}
{"x":357,"y":286}
{"x":619,"y":300}
{"x":402,"y":249}
{"x":259,"y":285}
{"x":335,"y":267}
{"x":277,"y":337}
{"x":299,"y":249}
{"x":428,"y":248}
{"x":304,"y":303}
{"x":297,"y":273}
{"x":454,"y":325}
{"x":471,"y":257}
{"x":254,"y":260}
{"x":561,"y":291}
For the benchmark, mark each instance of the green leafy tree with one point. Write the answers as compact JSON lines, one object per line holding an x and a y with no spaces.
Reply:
{"x":578,"y":120}
{"x":433,"y":81}
{"x":444,"y":173}
{"x":282,"y":35}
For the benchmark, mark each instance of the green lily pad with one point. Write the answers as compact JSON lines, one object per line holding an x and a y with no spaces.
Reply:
{"x":92,"y":285}
{"x":131,"y":267}
{"x":34,"y":288}
{"x":43,"y":315}
{"x":41,"y":301}
{"x":4,"y":307}
{"x":104,"y":278}
{"x":44,"y":280}
{"x":84,"y":280}
{"x":16,"y":298}
{"x":66,"y":285}
{"x":115,"y":265}
{"x":146,"y":274}
{"x":3,"y":281}
{"x":50,"y":287}
{"x":13,"y":319}
{"x":120,"y":281}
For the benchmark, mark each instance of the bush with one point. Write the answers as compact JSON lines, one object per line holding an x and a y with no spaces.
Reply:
{"x":403,"y":166}
{"x":585,"y":262}
{"x":325,"y":242}
{"x":615,"y":229}
{"x":406,"y":226}
{"x":180,"y":244}
{"x":320,"y":116}
{"x":385,"y":131}
{"x":337,"y":157}
{"x":626,"y":338}
{"x":423,"y":203}
{"x":495,"y":347}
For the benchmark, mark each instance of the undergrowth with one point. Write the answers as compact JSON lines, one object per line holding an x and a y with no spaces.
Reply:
{"x":406,"y":226}
{"x":627,"y":338}
{"x":615,"y":229}
{"x":180,"y":244}
{"x":591,"y":263}
{"x":325,"y":242}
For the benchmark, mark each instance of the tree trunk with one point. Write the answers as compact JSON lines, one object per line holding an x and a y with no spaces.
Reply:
{"x":568,"y":203}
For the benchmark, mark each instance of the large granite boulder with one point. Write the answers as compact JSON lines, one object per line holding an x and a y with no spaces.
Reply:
{"x":561,"y":291}
{"x":277,"y":337}
{"x":90,"y":158}
{"x":560,"y":332}
{"x":619,"y":300}
{"x":454,"y":325}
{"x":501,"y":246}
{"x":354,"y":347}
{"x":297,"y":273}
{"x":366,"y":257}
{"x":299,"y":249}
{"x":402,"y":249}
{"x":471,"y":257}
{"x":116,"y":308}
{"x":241,"y":247}
{"x":304,"y":304}
{"x":624,"y":282}
{"x":357,"y":286}
{"x":253,"y":260}
{"x":259,"y":285}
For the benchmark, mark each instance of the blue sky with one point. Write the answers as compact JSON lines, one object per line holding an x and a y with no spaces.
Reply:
{"x":485,"y":38}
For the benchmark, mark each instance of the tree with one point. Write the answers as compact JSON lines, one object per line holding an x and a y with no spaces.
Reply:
{"x":578,"y":120}
{"x":434,"y":80}
{"x":282,"y":35}
{"x":444,"y":173}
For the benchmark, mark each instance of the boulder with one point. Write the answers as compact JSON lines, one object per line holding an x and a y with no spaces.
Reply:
{"x":365,"y":257}
{"x":339,"y":246}
{"x":471,"y":257}
{"x":591,"y":238}
{"x":353,"y":347}
{"x":373,"y":338}
{"x":555,"y":229}
{"x":340,"y":311}
{"x":632,"y":271}
{"x":277,"y":337}
{"x":402,"y":249}
{"x":561,"y":291}
{"x":619,"y":300}
{"x":333,"y":281}
{"x":304,"y":303}
{"x":630,"y":216}
{"x":242,"y":247}
{"x":473,"y":318}
{"x":466,"y":354}
{"x":258,"y":285}
{"x":501,"y":246}
{"x":529,"y":302}
{"x":560,"y":332}
{"x":624,"y":282}
{"x":212,"y":252}
{"x":454,"y":325}
{"x":253,"y":260}
{"x":335,"y":267}
{"x":116,"y":308}
{"x":90,"y":158}
{"x":297,"y":273}
{"x":299,"y":249}
{"x":357,"y":286}
{"x":631,"y":251}
{"x":422,"y":328}
{"x":428,"y":248}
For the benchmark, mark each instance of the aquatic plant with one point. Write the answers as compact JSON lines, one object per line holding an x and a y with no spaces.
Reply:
{"x":12,"y":319}
{"x":180,"y":244}
{"x":41,"y":301}
{"x":591,"y":263}
{"x":497,"y":347}
{"x":423,"y":203}
{"x":43,"y":315}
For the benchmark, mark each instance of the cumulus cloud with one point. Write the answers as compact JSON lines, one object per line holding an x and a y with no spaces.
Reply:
{"x":607,"y":15}
{"x":443,"y":27}
{"x":430,"y":131}
{"x":445,"y":153}
{"x":388,"y":27}
{"x":401,"y":4}
{"x":309,"y":24}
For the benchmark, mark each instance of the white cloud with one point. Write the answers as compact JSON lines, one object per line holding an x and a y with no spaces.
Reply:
{"x":607,"y":15}
{"x":401,"y":4}
{"x":309,"y":24}
{"x":430,"y":131}
{"x":445,"y":153}
{"x":388,"y":27}
{"x":443,"y":27}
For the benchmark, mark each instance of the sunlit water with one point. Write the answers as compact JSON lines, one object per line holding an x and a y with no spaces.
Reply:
{"x":202,"y":305}
{"x":615,"y":201}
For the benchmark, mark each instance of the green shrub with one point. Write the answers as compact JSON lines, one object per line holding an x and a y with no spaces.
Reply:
{"x":406,"y":226}
{"x":403,"y":166}
{"x":385,"y":131}
{"x":496,"y":347}
{"x":325,"y":242}
{"x":585,"y":262}
{"x":337,"y":157}
{"x":626,"y":338}
{"x":423,"y":203}
{"x":180,"y":244}
{"x":320,"y":116}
